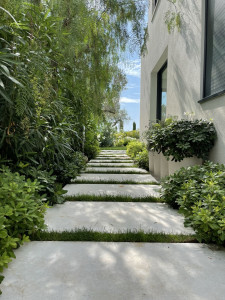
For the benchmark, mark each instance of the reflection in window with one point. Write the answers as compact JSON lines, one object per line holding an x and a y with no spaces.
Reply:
{"x":162,"y":93}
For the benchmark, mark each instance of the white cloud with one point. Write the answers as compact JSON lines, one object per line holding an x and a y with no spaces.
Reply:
{"x":129,"y":100}
{"x":130,"y":86}
{"x":132,"y":67}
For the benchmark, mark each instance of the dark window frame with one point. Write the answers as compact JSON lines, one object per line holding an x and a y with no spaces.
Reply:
{"x":222,"y":92}
{"x":205,"y":47}
{"x":159,"y":92}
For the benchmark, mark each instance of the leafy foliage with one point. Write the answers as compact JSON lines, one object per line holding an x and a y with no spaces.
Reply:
{"x":138,"y":151}
{"x":142,"y":159}
{"x":59,"y":69}
{"x":106,"y":134}
{"x":70,"y":168}
{"x":125,"y":137}
{"x":50,"y":190}
{"x":181,"y":138}
{"x":134,"y":147}
{"x":199,"y":192}
{"x":21,"y":212}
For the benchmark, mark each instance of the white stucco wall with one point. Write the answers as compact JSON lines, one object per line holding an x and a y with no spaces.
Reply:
{"x":184,"y":53}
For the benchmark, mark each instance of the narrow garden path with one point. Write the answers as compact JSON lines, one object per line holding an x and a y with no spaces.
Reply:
{"x":114,"y":200}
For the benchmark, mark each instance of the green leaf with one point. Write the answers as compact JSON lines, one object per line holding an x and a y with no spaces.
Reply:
{"x":5,"y":96}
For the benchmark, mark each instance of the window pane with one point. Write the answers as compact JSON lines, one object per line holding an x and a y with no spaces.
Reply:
{"x":162,"y":93}
{"x":215,"y":47}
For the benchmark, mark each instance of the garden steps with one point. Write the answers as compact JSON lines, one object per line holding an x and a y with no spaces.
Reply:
{"x":111,"y":160}
{"x":131,"y":190}
{"x":147,"y":178}
{"x":115,"y":270}
{"x":118,"y":164}
{"x":107,"y":164}
{"x":118,"y":156}
{"x":111,"y":216}
{"x":114,"y":169}
{"x":115,"y":217}
{"x":113,"y":152}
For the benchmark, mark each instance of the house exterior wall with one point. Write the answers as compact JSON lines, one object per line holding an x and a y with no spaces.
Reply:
{"x":184,"y":53}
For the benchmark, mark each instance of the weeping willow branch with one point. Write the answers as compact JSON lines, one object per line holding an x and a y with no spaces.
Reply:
{"x":9,"y":14}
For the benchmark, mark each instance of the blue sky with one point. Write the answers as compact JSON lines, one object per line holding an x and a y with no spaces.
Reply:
{"x":130,"y":96}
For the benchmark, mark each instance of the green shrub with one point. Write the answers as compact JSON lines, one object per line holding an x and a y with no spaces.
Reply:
{"x":133,"y":134}
{"x":172,"y":185}
{"x":119,"y":143}
{"x":204,"y":207}
{"x":119,"y":139}
{"x":199,"y":192}
{"x":91,"y":145}
{"x":134,"y":147}
{"x":142,"y":159}
{"x":21,"y":212}
{"x":182,"y":138}
{"x":127,"y":140}
{"x":106,"y":136}
{"x":50,"y":191}
{"x":68,"y":169}
{"x":124,"y":138}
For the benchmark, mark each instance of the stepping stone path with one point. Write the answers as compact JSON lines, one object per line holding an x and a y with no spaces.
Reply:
{"x":115,"y":271}
{"x":116,"y":170}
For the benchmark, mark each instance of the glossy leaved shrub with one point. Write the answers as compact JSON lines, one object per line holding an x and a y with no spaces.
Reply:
{"x":199,"y":193}
{"x":21,"y":212}
{"x":178,"y":139}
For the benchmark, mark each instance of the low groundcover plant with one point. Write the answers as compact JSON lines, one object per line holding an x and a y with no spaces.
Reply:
{"x":199,"y":193}
{"x":21,"y":212}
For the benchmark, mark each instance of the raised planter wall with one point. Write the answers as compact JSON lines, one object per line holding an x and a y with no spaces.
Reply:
{"x":186,"y":162}
{"x":157,"y":163}
{"x":164,"y":166}
{"x":151,"y":161}
{"x":160,"y":167}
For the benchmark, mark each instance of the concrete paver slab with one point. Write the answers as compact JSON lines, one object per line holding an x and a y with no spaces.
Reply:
{"x":113,"y":154}
{"x":119,"y":157}
{"x":111,"y":161}
{"x":131,"y":190}
{"x":113,"y":151}
{"x":108,"y":169}
{"x":108,"y":217}
{"x":117,"y":177}
{"x":115,"y":271}
{"x":107,"y":164}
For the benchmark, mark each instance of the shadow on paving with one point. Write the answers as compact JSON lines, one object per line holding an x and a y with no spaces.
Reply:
{"x":88,"y":270}
{"x":106,"y":216}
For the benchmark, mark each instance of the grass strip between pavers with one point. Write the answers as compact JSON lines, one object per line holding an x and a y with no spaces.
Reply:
{"x":113,"y":148}
{"x":114,"y":157}
{"x":114,"y":182}
{"x":112,"y":198}
{"x":90,"y":165}
{"x":89,"y":235}
{"x":112,"y":162}
{"x":113,"y":172}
